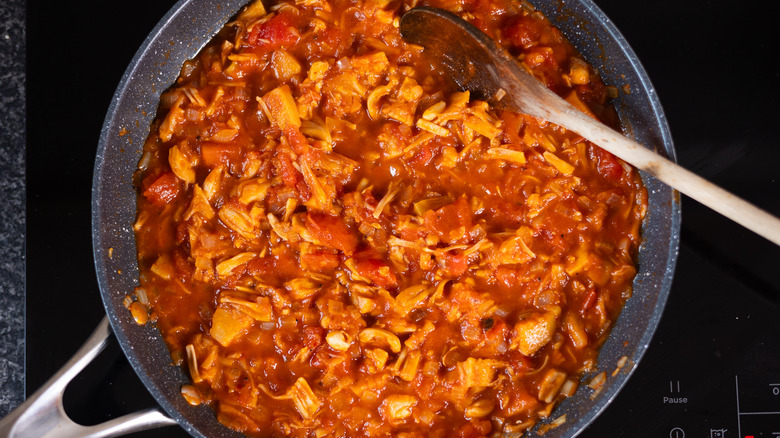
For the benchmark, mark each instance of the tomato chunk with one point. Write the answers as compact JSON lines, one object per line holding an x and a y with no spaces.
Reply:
{"x":378,"y":271}
{"x":523,"y":32}
{"x":276,"y":32}
{"x":284,"y":166}
{"x":451,"y":223}
{"x":331,"y":231}
{"x":313,"y":336}
{"x":454,"y":264}
{"x":164,"y":189}
{"x":608,"y":165}
{"x":320,"y":261}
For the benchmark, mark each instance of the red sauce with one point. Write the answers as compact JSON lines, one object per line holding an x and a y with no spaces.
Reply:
{"x":333,"y":242}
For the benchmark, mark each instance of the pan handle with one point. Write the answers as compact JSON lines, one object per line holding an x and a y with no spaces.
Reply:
{"x":43,"y":415}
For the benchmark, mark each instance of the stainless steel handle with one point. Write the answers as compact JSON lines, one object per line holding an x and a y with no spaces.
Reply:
{"x":43,"y":416}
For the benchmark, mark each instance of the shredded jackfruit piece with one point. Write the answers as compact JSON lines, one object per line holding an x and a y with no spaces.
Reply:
{"x":409,"y":91}
{"x":479,"y":409}
{"x":551,"y":383}
{"x":285,"y":65}
{"x":213,"y":182}
{"x":321,"y":199}
{"x":418,"y":141}
{"x":454,"y":109}
{"x":215,"y":102}
{"x":194,"y":96}
{"x":252,"y":12}
{"x":227,"y":323}
{"x":316,"y":130}
{"x":306,"y":402}
{"x":224,"y":268}
{"x":578,"y":72}
{"x":370,"y":66}
{"x":395,"y":241}
{"x":418,"y":337}
{"x":174,"y":118}
{"x":433,"y":128}
{"x":377,"y":357}
{"x":182,"y":164}
{"x":304,"y":399}
{"x":435,"y":203}
{"x":434,"y":110}
{"x":259,"y":309}
{"x":482,"y":127}
{"x":412,"y":297}
{"x":397,"y":407}
{"x":282,"y":230}
{"x":238,"y":220}
{"x":569,"y":387}
{"x":375,"y":96}
{"x":385,"y":201}
{"x":576,"y":330}
{"x":253,"y":190}
{"x":533,"y":332}
{"x":317,"y":70}
{"x":225,"y":135}
{"x":515,"y":249}
{"x":511,"y":155}
{"x":562,"y":166}
{"x":410,"y":365}
{"x":399,"y":111}
{"x":477,"y":372}
{"x":282,"y":109}
{"x":163,"y":267}
{"x":199,"y":205}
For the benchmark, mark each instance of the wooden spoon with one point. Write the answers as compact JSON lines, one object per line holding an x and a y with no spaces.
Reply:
{"x":476,"y":63}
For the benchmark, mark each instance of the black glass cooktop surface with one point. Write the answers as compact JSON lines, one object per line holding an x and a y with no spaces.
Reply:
{"x":713,"y":367}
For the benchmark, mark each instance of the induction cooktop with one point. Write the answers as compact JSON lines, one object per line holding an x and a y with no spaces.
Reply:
{"x":713,"y":367}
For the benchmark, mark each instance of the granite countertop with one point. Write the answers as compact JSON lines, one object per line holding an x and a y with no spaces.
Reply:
{"x":12,"y":213}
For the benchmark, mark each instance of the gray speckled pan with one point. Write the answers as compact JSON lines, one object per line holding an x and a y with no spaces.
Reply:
{"x":182,"y":33}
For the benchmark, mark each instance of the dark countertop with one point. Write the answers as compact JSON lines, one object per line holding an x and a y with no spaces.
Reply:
{"x":12,"y":193}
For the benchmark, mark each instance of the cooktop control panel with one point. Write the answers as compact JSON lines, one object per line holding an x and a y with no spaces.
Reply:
{"x":713,"y":368}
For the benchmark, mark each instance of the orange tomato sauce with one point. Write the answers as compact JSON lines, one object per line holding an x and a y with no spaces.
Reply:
{"x":335,"y":242}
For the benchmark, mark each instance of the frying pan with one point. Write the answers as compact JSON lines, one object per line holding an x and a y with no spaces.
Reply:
{"x":183,"y":31}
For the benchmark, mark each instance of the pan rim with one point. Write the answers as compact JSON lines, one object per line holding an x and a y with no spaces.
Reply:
{"x":105,"y":267}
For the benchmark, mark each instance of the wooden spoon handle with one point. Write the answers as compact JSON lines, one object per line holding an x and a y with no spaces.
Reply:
{"x":687,"y":182}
